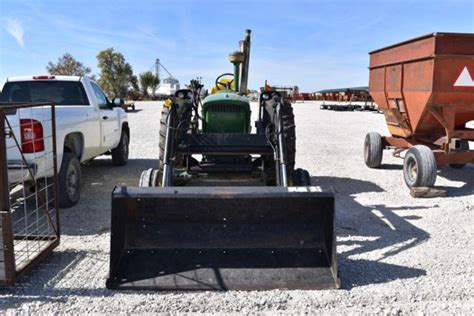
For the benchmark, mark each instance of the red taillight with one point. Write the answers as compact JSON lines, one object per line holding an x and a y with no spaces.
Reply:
{"x":31,"y":136}
{"x":44,"y":77}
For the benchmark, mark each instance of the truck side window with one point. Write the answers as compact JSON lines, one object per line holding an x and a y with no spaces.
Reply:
{"x":101,"y":98}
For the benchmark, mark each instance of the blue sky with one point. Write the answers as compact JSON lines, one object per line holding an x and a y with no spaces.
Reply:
{"x":313,"y":44}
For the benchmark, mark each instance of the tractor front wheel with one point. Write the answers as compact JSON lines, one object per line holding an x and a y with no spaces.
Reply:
{"x":301,"y":178}
{"x":149,"y":178}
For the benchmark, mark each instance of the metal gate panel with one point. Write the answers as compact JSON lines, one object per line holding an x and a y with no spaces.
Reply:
{"x":29,"y":221}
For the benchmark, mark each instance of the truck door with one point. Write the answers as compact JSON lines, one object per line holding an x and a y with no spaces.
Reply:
{"x":108,"y":118}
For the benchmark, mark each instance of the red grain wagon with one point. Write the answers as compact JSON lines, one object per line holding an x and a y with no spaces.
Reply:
{"x":425,"y":87}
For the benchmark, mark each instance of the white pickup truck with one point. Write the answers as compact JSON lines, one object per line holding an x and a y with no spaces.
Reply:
{"x":87,"y":125}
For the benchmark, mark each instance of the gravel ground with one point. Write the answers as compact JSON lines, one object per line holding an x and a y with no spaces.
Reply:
{"x":396,"y":254}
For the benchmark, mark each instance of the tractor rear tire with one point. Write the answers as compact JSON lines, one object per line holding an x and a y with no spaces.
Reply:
{"x":419,"y":167}
{"x":464,"y":146}
{"x":301,"y":178}
{"x":184,"y":124}
{"x":146,"y":174}
{"x":373,"y":150}
{"x":164,"y":116}
{"x":289,"y":136}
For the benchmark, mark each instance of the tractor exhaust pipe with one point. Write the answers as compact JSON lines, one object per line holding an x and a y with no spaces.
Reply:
{"x":244,"y":68}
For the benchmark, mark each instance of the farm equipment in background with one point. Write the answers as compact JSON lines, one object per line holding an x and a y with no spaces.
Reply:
{"x":225,"y":209}
{"x":286,"y":92}
{"x":346,"y":99}
{"x":126,"y":104}
{"x":425,"y":87}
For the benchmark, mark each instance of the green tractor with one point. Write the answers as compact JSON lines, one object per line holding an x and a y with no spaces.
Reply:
{"x":226,"y":208}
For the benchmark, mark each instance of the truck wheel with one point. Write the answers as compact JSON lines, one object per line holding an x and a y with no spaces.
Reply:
{"x":120,"y":154}
{"x":419,"y":167}
{"x":373,"y":150}
{"x":149,"y":178}
{"x":69,"y":180}
{"x":301,"y":178}
{"x":464,"y":146}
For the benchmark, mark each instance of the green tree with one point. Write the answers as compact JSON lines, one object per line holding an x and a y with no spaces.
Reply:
{"x":115,"y":73}
{"x":134,"y":83}
{"x":148,"y":81}
{"x":67,"y":66}
{"x":154,"y":84}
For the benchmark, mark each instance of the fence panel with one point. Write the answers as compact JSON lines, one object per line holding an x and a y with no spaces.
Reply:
{"x":29,"y":222}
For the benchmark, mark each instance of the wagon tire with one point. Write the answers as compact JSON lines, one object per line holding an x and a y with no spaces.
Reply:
{"x":419,"y":167}
{"x":69,"y":177}
{"x":373,"y":150}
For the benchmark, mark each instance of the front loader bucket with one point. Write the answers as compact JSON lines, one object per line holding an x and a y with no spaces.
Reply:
{"x":222,"y":238}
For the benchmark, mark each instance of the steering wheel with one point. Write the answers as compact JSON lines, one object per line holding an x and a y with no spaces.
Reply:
{"x":225,"y":85}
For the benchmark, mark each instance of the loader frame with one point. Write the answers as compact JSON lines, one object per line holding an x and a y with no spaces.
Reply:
{"x":230,"y":221}
{"x":224,"y":238}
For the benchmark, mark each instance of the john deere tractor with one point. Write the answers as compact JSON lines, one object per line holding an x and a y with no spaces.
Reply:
{"x":225,"y":208}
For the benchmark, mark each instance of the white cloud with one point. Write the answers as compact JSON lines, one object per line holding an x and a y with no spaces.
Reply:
{"x":15,"y":29}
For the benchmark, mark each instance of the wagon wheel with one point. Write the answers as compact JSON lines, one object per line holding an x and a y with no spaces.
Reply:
{"x":419,"y":167}
{"x":373,"y":150}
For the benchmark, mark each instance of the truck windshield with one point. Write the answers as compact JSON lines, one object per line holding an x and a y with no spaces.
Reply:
{"x":57,"y":92}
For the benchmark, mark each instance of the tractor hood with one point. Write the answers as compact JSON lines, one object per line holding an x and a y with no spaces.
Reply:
{"x":226,"y":96}
{"x":226,"y":112}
